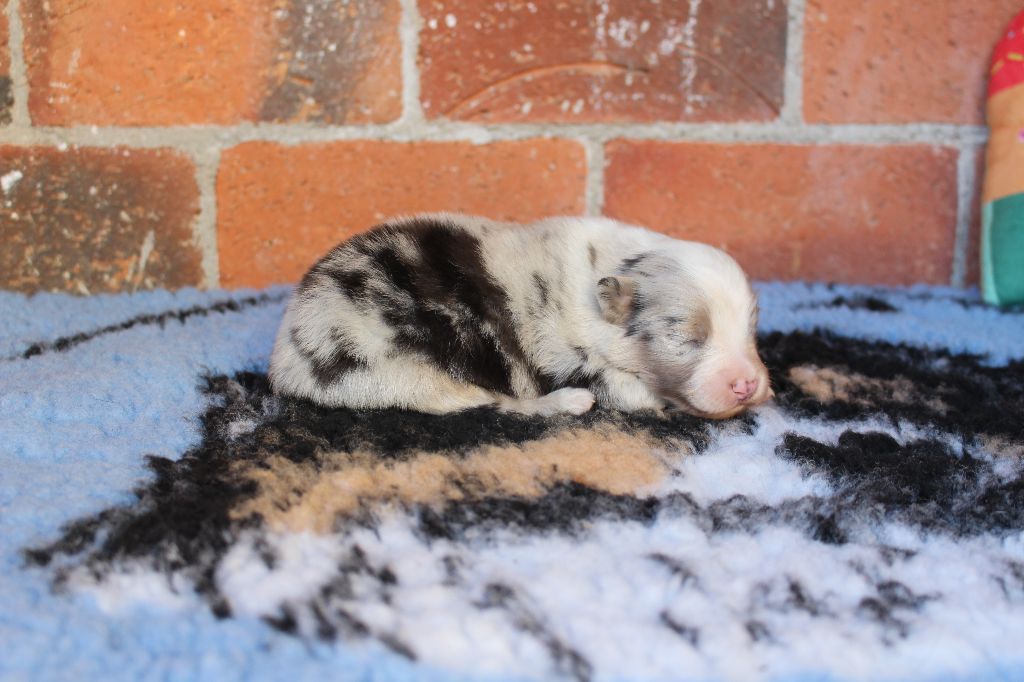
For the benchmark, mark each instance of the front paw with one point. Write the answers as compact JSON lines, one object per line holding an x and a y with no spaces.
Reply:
{"x":572,"y":400}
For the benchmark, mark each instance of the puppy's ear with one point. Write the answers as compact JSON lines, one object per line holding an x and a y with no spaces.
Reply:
{"x":615,"y":298}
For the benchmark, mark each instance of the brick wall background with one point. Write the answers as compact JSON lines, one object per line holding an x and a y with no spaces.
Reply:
{"x":230,"y":142}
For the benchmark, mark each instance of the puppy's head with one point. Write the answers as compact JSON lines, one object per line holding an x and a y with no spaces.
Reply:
{"x":693,"y":317}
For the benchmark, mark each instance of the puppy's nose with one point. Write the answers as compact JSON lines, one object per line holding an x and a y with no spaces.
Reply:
{"x":743,"y":389}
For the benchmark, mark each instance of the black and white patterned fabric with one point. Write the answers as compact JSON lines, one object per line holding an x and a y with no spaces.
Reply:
{"x":866,"y":524}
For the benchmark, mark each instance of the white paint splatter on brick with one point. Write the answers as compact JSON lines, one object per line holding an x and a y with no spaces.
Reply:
{"x":673,"y":38}
{"x":601,"y":42}
{"x":10,"y":179}
{"x":689,"y":43}
{"x":146,"y":252}
{"x":625,"y":32}
{"x":73,"y":62}
{"x":138,"y":270}
{"x":601,"y":30}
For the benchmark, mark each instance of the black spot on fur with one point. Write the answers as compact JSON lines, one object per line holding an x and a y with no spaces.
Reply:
{"x":330,"y":369}
{"x":460,"y":317}
{"x":541,"y":285}
{"x":399,"y":271}
{"x":577,"y":378}
{"x":628,"y":265}
{"x":639,"y":302}
{"x":352,"y":283}
{"x":437,"y":294}
{"x":581,"y":354}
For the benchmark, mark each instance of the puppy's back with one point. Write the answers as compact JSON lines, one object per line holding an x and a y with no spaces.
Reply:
{"x":418,"y":287}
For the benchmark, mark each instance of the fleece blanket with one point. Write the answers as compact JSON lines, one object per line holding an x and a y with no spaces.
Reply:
{"x":164,"y":516}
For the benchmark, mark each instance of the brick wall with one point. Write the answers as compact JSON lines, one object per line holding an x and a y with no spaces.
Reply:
{"x":229,"y":142}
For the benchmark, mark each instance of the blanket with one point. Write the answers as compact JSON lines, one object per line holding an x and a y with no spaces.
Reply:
{"x":164,"y":515}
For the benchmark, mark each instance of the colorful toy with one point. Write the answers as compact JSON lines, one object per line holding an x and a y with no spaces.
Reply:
{"x":1002,"y":239}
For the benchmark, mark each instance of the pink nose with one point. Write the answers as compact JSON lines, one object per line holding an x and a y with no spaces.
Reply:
{"x":743,"y":389}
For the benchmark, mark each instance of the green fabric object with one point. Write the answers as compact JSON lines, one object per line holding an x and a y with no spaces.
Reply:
{"x":1002,"y":250}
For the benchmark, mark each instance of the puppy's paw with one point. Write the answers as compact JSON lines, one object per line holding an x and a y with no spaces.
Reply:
{"x":562,"y":401}
{"x":571,"y":400}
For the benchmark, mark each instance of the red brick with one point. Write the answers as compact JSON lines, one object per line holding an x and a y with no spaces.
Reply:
{"x":888,"y":62}
{"x":92,"y":220}
{"x":614,"y":60}
{"x":164,"y":62}
{"x":882,"y":215}
{"x":337,"y":62}
{"x":282,"y":207}
{"x":6,"y":92}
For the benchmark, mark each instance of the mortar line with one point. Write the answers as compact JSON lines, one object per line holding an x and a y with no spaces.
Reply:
{"x":409,"y":32}
{"x":793,"y":85}
{"x":204,"y":231}
{"x":967,"y":186}
{"x":193,"y":138}
{"x":20,"y":117}
{"x":594,"y":192}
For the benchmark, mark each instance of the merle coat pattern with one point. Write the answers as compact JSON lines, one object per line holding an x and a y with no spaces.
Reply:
{"x":440,"y":313}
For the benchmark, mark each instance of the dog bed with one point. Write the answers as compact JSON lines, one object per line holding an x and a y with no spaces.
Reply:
{"x":164,"y":516}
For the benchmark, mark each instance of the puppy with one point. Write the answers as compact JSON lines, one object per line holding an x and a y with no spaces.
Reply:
{"x":440,"y":313}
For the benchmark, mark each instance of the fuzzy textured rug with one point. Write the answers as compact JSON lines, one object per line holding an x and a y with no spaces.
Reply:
{"x":163,"y":515}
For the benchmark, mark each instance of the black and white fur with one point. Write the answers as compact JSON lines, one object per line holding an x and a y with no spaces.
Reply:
{"x":440,"y":313}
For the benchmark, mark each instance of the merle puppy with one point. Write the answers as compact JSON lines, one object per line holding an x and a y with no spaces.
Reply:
{"x":440,"y":313}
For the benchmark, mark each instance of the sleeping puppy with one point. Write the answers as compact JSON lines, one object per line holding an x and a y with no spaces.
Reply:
{"x":440,"y":313}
